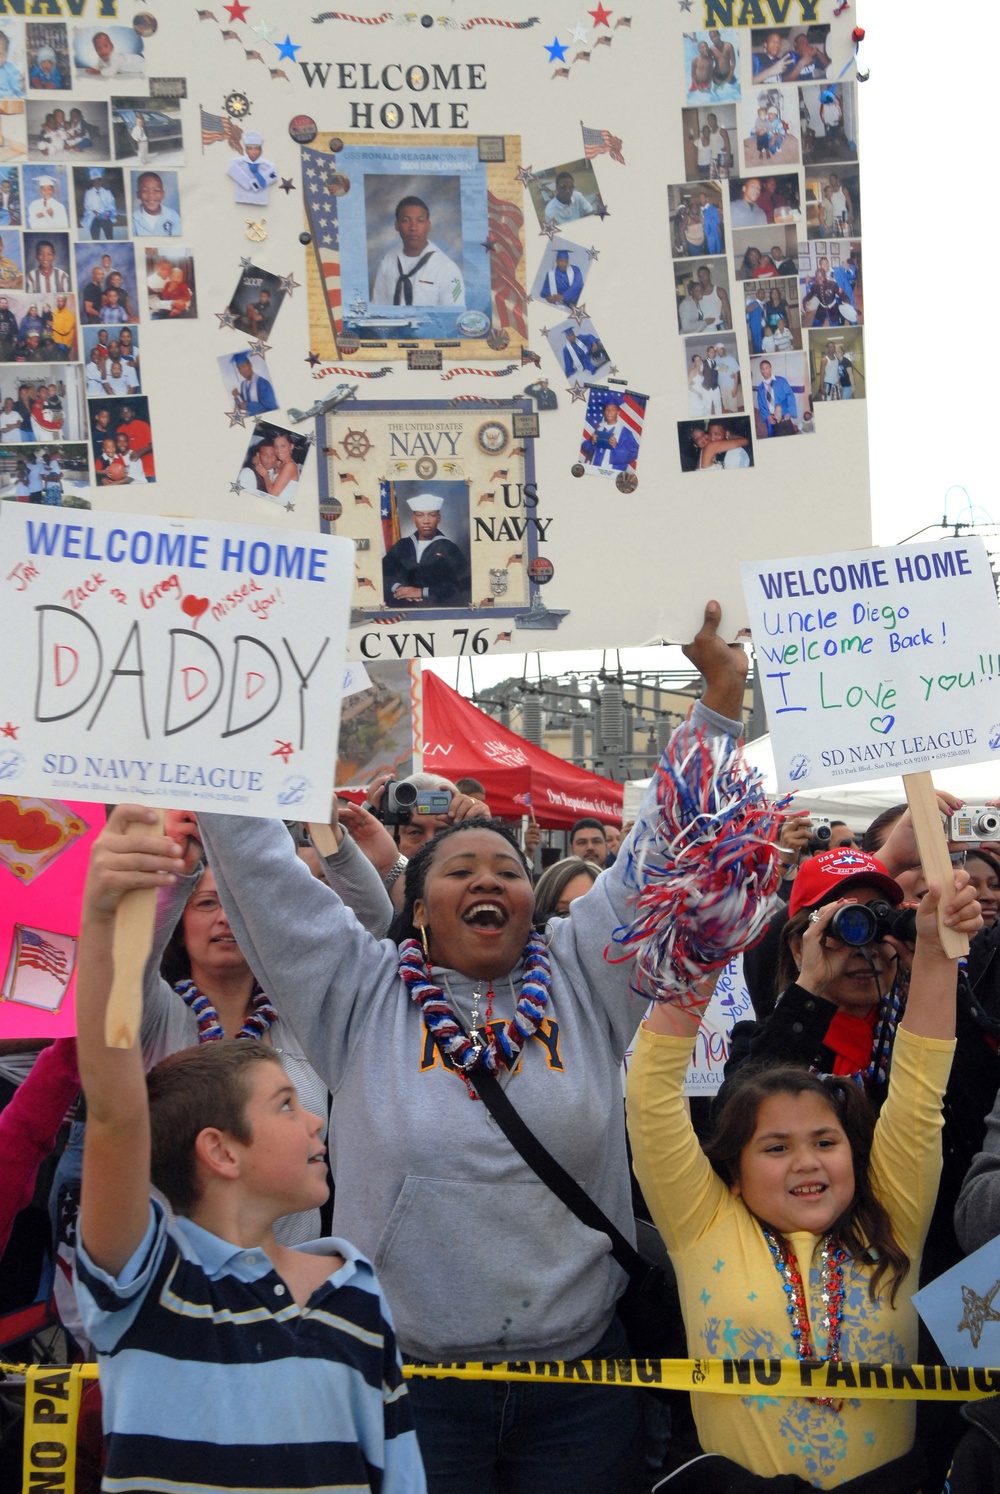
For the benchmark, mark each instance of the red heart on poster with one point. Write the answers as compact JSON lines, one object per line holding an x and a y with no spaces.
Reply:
{"x":194,"y":607}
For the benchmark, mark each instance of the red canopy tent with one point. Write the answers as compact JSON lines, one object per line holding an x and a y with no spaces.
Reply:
{"x":463,"y":742}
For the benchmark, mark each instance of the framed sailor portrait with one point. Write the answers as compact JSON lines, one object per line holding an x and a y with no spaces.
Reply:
{"x":416,"y":241}
{"x":441,"y":503}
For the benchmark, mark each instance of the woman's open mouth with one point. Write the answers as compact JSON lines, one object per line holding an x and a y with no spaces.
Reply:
{"x":488,"y":917}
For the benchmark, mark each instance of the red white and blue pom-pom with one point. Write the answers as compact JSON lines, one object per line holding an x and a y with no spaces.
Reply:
{"x":703,"y":867}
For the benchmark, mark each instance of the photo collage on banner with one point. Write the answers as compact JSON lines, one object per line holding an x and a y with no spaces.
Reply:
{"x":766,"y":240}
{"x":395,"y":277}
{"x":72,"y":414}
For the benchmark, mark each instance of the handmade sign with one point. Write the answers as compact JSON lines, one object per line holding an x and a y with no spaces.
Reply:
{"x":186,"y":664}
{"x":433,"y":282}
{"x":877,"y":662}
{"x":44,"y":850}
{"x":730,"y":1004}
{"x":962,"y":1308}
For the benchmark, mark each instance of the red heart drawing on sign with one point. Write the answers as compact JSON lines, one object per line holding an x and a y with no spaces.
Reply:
{"x":194,"y":607}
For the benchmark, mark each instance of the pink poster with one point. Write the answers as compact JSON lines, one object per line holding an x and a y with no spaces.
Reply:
{"x":44,"y":850}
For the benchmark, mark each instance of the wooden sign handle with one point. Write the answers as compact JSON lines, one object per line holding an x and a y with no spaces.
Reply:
{"x":133,"y":939}
{"x":934,"y":856}
{"x":323,"y":838}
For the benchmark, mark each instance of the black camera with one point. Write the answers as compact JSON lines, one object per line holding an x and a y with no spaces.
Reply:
{"x":868,"y":923}
{"x":404,"y":800}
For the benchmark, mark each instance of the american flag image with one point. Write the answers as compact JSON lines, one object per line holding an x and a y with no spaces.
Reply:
{"x":631,"y":414}
{"x":596,"y":142}
{"x":321,"y":207}
{"x":216,"y":127}
{"x":36,"y":951}
{"x":387,"y":513}
{"x":39,"y":968}
{"x":505,"y":221}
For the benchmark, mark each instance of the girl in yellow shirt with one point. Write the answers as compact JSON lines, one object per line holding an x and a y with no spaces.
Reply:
{"x":800,"y":1235}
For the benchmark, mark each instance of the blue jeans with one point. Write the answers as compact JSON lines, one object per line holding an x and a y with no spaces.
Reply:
{"x":510,"y":1437}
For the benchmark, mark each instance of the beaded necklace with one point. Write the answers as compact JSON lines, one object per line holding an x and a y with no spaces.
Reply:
{"x":832,"y":1256}
{"x":260,"y":1017}
{"x":491,"y":1045}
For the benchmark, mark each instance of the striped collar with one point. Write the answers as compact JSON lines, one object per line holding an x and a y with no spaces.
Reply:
{"x":219,"y":1258}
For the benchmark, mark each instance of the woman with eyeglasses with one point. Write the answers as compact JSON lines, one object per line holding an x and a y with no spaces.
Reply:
{"x":561,"y":884}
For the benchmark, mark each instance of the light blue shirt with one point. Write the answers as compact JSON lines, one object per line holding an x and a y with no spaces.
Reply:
{"x":165,"y":224}
{"x":212,"y":1375}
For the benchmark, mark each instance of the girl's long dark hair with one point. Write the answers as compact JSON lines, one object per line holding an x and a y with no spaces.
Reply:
{"x":864,"y":1229}
{"x":402,"y":926}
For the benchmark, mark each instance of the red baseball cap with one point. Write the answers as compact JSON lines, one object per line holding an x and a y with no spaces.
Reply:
{"x":833,"y":873}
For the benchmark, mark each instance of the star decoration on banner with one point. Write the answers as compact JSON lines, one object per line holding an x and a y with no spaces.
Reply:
{"x":549,"y":230}
{"x":234,"y":487}
{"x":236,"y":416}
{"x":601,"y":15}
{"x":601,"y":210}
{"x":557,"y":52}
{"x":578,"y":314}
{"x":544,"y":332}
{"x":310,"y":439}
{"x":312,"y":359}
{"x":525,"y":175}
{"x":289,"y":283}
{"x":289,"y":508}
{"x":10,"y":730}
{"x":226,"y":318}
{"x":612,"y":371}
{"x":684,"y":4}
{"x":489,"y":245}
{"x":577,"y":390}
{"x":579,"y":32}
{"x":593,"y":253}
{"x":264,"y":31}
{"x":288,"y":48}
{"x":237,"y":10}
{"x":260,"y":348}
{"x":245,"y":261}
{"x":287,"y":185}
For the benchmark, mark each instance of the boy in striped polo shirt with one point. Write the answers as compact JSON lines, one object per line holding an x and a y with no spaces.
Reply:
{"x":228,"y":1360}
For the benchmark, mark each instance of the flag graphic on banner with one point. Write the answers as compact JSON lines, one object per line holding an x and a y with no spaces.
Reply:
{"x":388,"y":517}
{"x":39,"y":968}
{"x":321,"y":207}
{"x":505,"y":223}
{"x":596,"y":142}
{"x":216,"y":127}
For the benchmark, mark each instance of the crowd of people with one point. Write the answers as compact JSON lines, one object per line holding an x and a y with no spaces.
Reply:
{"x":341,"y":1014}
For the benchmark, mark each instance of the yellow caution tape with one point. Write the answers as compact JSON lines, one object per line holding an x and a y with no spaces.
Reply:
{"x":785,"y":1377}
{"x":51,"y":1409}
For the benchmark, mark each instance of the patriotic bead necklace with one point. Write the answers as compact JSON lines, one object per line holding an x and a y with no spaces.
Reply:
{"x":485,"y":1045}
{"x":259,"y":1019}
{"x":832,"y":1255}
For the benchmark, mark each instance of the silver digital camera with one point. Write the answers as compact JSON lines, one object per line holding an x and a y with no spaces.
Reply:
{"x":974,"y":822}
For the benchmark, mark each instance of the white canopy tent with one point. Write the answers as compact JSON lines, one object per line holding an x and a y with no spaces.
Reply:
{"x":859,"y":803}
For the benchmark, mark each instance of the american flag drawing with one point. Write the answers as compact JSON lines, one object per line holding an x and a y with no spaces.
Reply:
{"x":596,"y":142}
{"x":506,"y":221}
{"x":36,"y":951}
{"x":631,"y":413}
{"x":40,"y":967}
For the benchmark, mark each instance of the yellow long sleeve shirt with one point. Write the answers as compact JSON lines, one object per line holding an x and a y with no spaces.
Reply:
{"x":732,"y":1295}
